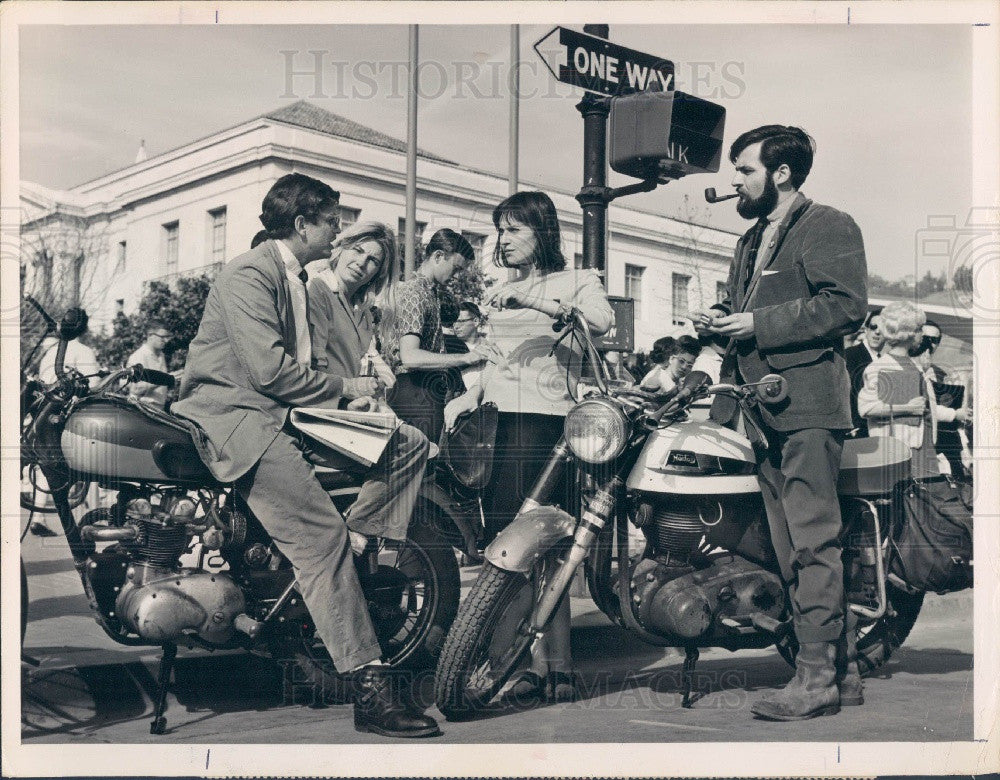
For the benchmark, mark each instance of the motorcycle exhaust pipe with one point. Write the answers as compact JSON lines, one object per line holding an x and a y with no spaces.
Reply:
{"x":92,"y":533}
{"x":711,"y":197}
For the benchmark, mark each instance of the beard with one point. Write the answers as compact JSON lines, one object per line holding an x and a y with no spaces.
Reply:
{"x":758,"y":208}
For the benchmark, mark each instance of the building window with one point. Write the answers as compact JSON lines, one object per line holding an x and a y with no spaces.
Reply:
{"x":120,"y":266}
{"x":401,"y":238}
{"x":477,"y":240}
{"x":120,"y":304}
{"x":720,"y":292}
{"x":633,"y":287}
{"x":348,"y":217}
{"x":679,"y":298}
{"x":171,"y":240}
{"x":578,"y":260}
{"x":217,"y":235}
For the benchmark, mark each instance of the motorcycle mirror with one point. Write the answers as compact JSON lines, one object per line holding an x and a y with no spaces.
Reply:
{"x":772,"y":389}
{"x":73,"y":324}
{"x":694,"y":382}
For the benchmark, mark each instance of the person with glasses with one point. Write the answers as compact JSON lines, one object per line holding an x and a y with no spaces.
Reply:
{"x":412,"y":341}
{"x":674,"y":359}
{"x":248,"y":366}
{"x":151,"y":355}
{"x":949,"y":440}
{"x":857,"y":358}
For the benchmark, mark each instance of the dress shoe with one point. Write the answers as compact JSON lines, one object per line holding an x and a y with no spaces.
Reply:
{"x":378,"y":709}
{"x":813,"y":690}
{"x":852,"y":689}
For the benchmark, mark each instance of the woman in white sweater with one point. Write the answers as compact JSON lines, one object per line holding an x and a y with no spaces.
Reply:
{"x":532,"y":390}
{"x":915,"y":420}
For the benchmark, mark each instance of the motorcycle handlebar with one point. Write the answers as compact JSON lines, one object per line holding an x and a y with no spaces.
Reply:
{"x":152,"y":376}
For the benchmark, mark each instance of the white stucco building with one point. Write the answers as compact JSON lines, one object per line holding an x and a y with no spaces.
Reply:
{"x":186,"y":210}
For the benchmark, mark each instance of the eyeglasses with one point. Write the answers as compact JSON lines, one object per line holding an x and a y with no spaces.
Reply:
{"x":872,"y":326}
{"x":165,"y":336}
{"x":465,"y":319}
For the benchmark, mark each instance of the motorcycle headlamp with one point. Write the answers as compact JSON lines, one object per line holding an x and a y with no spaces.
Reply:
{"x":596,"y":430}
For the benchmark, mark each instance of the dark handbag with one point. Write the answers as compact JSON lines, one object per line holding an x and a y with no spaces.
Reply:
{"x":933,"y":545}
{"x":467,"y":451}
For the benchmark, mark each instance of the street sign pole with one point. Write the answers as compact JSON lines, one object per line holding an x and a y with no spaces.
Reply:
{"x":593,"y":195}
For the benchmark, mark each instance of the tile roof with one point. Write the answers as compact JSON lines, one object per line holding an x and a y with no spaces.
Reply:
{"x":306,"y":115}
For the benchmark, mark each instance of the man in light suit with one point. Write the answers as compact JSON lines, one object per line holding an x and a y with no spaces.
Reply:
{"x":247,"y":367}
{"x":796,"y":287}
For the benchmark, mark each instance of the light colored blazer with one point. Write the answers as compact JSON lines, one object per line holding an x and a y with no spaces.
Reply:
{"x":881,"y":422}
{"x":241,"y":377}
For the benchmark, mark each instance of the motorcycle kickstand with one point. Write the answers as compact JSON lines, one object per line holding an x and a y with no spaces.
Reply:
{"x":687,"y":673}
{"x":159,"y":723}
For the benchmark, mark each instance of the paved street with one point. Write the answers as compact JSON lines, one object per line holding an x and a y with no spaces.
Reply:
{"x":89,"y":689}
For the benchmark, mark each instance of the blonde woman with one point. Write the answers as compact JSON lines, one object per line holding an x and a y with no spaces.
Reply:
{"x":913,"y":421}
{"x":363,"y":267}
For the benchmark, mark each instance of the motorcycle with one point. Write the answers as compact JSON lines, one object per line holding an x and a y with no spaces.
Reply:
{"x":706,"y":575}
{"x":176,"y":558}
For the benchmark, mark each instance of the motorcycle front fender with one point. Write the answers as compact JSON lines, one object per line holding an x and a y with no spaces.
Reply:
{"x":529,"y":537}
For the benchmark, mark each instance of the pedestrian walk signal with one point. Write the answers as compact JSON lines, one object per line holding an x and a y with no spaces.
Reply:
{"x":665,"y":135}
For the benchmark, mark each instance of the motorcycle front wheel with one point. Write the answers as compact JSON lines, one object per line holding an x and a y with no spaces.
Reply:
{"x":488,"y":641}
{"x":412,"y":598}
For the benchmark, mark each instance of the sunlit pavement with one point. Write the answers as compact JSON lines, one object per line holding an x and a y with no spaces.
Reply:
{"x":87,"y":688}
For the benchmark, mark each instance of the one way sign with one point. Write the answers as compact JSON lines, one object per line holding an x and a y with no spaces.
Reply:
{"x":606,"y":68}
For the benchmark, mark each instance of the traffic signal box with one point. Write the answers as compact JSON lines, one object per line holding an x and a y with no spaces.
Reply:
{"x":665,"y":135}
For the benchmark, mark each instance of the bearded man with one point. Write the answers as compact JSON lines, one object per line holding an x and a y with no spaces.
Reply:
{"x":796,"y":287}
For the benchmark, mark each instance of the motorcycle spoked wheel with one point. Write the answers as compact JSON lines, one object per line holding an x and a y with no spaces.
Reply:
{"x":488,"y":642}
{"x":412,"y":599}
{"x":879,"y":640}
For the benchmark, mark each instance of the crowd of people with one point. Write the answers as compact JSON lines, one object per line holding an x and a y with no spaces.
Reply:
{"x":312,"y":316}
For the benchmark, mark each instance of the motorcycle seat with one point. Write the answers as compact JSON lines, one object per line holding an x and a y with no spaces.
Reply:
{"x":873,"y":466}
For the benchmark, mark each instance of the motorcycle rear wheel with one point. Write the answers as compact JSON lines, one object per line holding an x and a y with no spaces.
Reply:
{"x":411,"y":636}
{"x":879,"y":640}
{"x":486,"y":644}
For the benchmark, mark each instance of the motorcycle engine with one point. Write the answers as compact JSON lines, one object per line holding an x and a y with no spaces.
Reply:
{"x":681,"y":592}
{"x":157,"y":598}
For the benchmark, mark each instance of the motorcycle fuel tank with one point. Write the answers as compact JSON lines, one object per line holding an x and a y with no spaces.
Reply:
{"x":117,"y":438}
{"x":695,"y":458}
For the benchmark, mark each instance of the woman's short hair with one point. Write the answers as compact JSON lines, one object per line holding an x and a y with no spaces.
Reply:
{"x":688,"y":345}
{"x":448,"y":241}
{"x":662,"y":349}
{"x":291,"y":195}
{"x":388,"y":272}
{"x":537,"y":211}
{"x":900,"y":323}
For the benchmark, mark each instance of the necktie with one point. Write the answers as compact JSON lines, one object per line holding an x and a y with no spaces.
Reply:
{"x":752,"y":249}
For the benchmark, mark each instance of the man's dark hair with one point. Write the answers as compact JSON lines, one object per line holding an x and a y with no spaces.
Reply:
{"x":291,"y":195}
{"x":471,"y":308}
{"x":538,"y":212}
{"x":780,"y":145}
{"x":259,"y":238}
{"x":448,"y":241}
{"x":155,"y":324}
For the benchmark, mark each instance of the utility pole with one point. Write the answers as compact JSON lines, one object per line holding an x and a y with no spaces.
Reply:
{"x":410,"y":232}
{"x":593,"y":197}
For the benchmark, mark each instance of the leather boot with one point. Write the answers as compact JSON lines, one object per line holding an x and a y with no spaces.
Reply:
{"x":852,"y":690}
{"x":378,"y":709}
{"x":813,"y":690}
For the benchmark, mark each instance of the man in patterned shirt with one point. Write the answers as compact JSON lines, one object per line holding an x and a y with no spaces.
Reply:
{"x":412,"y":340}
